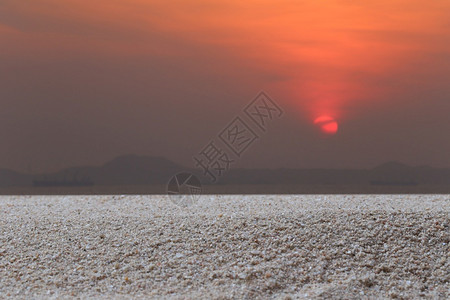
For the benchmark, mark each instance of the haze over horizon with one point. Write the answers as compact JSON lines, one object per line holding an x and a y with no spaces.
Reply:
{"x":83,"y":82}
{"x":132,"y":160}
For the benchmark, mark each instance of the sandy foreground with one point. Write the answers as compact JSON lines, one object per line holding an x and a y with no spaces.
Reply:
{"x":224,"y":247}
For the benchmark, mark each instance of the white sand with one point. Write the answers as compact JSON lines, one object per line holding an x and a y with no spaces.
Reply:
{"x":224,"y":247}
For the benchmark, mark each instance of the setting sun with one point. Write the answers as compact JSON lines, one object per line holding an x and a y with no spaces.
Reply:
{"x":327,"y":124}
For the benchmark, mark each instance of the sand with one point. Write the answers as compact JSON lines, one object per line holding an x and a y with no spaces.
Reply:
{"x":279,"y":247}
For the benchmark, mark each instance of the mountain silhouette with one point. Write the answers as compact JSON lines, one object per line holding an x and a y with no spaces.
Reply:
{"x":135,"y":170}
{"x":126,"y":170}
{"x":392,"y":166}
{"x":12,"y":178}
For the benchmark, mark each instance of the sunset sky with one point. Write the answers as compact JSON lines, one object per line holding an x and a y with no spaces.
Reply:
{"x":82,"y":82}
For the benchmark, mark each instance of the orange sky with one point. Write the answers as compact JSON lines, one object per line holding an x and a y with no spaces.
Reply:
{"x":340,"y":58}
{"x":321,"y":50}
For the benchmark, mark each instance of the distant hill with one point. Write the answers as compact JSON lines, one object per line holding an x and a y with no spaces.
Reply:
{"x":134,"y":170}
{"x":392,"y":166}
{"x":12,"y":178}
{"x":124,"y":170}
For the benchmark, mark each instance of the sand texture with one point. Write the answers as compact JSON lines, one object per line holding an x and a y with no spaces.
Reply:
{"x":225,"y":247}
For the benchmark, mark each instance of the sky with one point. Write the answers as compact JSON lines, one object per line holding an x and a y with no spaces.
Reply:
{"x":82,"y":82}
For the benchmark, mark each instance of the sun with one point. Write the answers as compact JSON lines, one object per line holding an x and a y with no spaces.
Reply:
{"x":327,"y":124}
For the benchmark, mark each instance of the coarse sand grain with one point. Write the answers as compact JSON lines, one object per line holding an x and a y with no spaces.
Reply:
{"x":226,"y":247}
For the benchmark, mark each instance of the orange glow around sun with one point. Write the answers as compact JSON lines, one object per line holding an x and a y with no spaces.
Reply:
{"x":323,"y":57}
